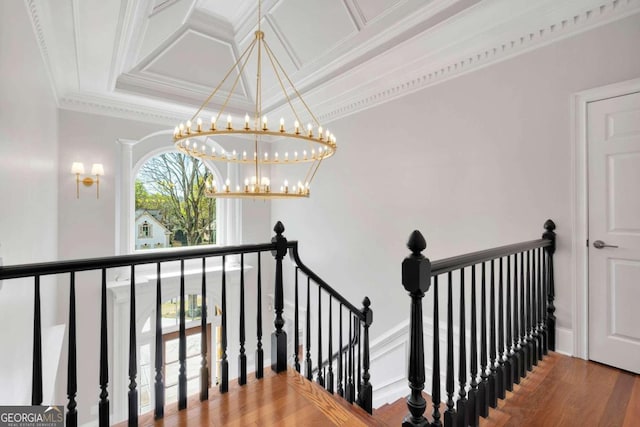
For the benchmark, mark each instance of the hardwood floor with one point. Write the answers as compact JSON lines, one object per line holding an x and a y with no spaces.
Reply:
{"x":560,"y":391}
{"x":285,"y":399}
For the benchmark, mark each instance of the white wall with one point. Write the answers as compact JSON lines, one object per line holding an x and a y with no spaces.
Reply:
{"x":28,"y":190}
{"x":478,"y":161}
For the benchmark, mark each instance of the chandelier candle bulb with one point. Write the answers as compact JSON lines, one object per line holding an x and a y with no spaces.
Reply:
{"x":296,"y":125}
{"x":310,"y":130}
{"x":213,"y":123}
{"x":304,"y":154}
{"x":246,"y":122}
{"x":320,"y":133}
{"x":244,"y":155}
{"x":264,"y":123}
{"x":286,"y":186}
{"x":276,"y":157}
{"x":199,"y":123}
{"x":295,"y":155}
{"x":286,"y":156}
{"x":188,"y":126}
{"x":229,"y":127}
{"x":226,"y":185}
{"x":281,"y":124}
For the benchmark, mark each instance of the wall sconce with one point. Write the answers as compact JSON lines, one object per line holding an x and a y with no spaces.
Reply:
{"x":77,"y":168}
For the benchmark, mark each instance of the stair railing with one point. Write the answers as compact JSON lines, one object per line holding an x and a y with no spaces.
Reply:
{"x":278,"y":248}
{"x":521,"y":328}
{"x":351,"y":378}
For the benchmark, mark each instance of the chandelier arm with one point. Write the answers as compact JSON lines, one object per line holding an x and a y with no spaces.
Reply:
{"x":284,"y":90}
{"x":235,"y":82}
{"x":212,"y":94}
{"x":317,"y":166}
{"x":292,"y":85}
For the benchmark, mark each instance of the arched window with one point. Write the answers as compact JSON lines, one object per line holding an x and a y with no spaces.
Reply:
{"x":171,"y":207}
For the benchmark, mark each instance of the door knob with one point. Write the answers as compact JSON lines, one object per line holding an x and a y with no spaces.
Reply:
{"x":599,"y":244}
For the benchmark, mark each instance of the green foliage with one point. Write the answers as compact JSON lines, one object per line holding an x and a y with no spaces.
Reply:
{"x":174,"y":184}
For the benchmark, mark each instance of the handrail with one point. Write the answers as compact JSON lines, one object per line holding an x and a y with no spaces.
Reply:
{"x":58,"y":267}
{"x":457,"y":262}
{"x":293,"y":245}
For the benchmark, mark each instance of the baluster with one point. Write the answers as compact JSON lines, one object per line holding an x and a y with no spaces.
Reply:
{"x":259,"y":349}
{"x":366,"y":390}
{"x":103,"y":405}
{"x":474,"y":402}
{"x":435,"y":377}
{"x":484,"y":384}
{"x":463,"y":417}
{"x":508,"y":352}
{"x":517,"y":356}
{"x":308,"y":364}
{"x":320,"y":378}
{"x":224,"y":363}
{"x":528,"y":338}
{"x":36,"y":379}
{"x":551,"y":318}
{"x":329,"y":377}
{"x":133,"y":347}
{"x":492,"y":390}
{"x":296,"y":325}
{"x":340,"y":390}
{"x":279,"y":336}
{"x":356,"y":325}
{"x":522,"y":343}
{"x":159,"y":362}
{"x":534,"y":306}
{"x":541,"y":338}
{"x":350,"y":392}
{"x":242,"y":357}
{"x":543,"y":304}
{"x":532,"y":312}
{"x":182,"y":346}
{"x":72,"y":374}
{"x":204,"y":347}
{"x":501,"y":377}
{"x":450,"y":413}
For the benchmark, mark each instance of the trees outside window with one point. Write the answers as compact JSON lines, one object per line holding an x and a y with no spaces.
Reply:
{"x":171,"y":188}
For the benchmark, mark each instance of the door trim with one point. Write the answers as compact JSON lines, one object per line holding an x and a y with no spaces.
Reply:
{"x":579,"y":214}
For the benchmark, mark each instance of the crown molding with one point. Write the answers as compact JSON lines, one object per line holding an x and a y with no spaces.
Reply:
{"x":36,"y":24}
{"x":357,"y":92}
{"x":125,"y":108}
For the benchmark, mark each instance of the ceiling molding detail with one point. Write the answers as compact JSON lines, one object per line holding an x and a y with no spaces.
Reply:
{"x":44,"y":51}
{"x":411,"y":45}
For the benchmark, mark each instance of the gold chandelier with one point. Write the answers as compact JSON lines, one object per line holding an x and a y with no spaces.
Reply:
{"x":258,"y":147}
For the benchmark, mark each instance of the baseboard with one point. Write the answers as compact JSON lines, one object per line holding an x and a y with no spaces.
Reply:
{"x":564,"y":341}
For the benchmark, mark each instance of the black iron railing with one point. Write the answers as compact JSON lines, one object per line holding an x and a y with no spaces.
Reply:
{"x":520,"y":327}
{"x":278,"y":248}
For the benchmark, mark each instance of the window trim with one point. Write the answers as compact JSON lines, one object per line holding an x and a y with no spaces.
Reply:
{"x":133,"y":154}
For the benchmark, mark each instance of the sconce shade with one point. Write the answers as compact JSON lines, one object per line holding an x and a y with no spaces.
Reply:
{"x":77,"y":168}
{"x":97,"y":169}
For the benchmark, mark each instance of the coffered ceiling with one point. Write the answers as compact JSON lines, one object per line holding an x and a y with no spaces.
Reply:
{"x":156,"y":60}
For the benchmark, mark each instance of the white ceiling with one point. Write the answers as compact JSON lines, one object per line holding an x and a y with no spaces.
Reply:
{"x":157,"y":60}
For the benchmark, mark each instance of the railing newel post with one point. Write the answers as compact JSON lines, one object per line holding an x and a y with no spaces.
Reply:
{"x":550,"y":226}
{"x":279,"y":336}
{"x":416,"y":279}
{"x":366,"y":389}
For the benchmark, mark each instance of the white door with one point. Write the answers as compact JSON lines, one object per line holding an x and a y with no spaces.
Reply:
{"x":613,"y":138}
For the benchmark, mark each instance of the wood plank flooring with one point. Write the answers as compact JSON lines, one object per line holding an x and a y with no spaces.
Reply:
{"x":285,"y":399}
{"x":560,"y":391}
